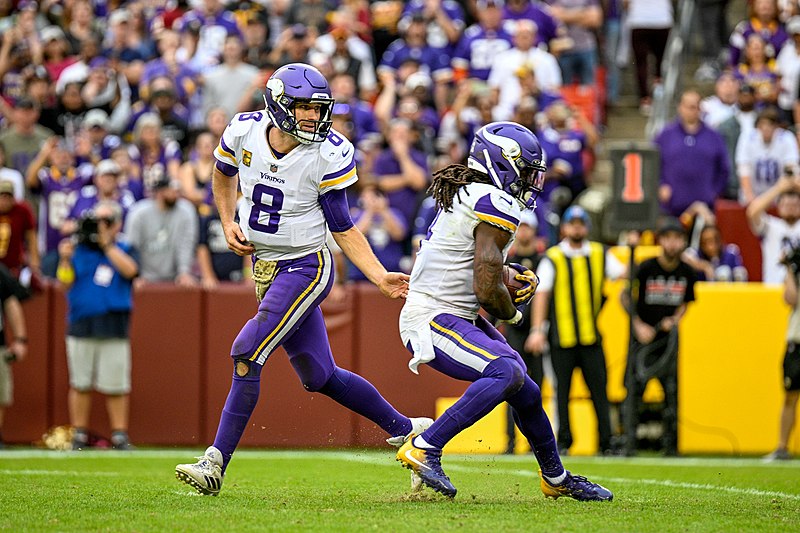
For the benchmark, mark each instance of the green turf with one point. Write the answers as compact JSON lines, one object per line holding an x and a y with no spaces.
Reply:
{"x":368,"y":491}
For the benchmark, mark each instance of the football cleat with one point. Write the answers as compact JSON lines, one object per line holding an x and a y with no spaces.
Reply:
{"x":418,"y":425}
{"x":205,"y":476}
{"x":577,"y":487}
{"x":426,"y":463}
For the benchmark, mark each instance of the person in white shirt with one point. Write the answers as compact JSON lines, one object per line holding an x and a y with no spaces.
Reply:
{"x":502,"y":78}
{"x":787,"y":65}
{"x":778,"y":234}
{"x":720,"y":106}
{"x":763,"y":155}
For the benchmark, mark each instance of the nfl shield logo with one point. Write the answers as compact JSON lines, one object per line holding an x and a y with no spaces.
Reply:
{"x":273,"y":168}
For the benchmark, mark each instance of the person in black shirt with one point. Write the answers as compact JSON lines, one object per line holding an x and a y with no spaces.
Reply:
{"x":662,"y":288}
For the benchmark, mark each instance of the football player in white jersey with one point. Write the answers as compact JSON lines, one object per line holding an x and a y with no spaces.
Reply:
{"x":293,"y":169}
{"x":459,"y":269}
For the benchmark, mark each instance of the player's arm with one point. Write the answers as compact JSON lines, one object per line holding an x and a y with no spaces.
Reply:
{"x":488,"y":272}
{"x":355,"y":246}
{"x":790,"y":288}
{"x":224,"y":183}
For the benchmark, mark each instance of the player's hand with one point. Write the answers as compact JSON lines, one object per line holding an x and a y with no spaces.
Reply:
{"x":394,"y":285}
{"x":236,"y":241}
{"x":527,"y":276}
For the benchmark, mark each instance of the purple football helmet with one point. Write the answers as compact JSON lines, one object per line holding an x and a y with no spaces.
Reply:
{"x":294,"y":83}
{"x":511,"y":156}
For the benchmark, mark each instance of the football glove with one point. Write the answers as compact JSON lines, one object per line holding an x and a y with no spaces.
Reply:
{"x":524,"y":275}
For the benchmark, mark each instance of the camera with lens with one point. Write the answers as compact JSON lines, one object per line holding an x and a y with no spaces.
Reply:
{"x":791,"y":258}
{"x":88,"y":232}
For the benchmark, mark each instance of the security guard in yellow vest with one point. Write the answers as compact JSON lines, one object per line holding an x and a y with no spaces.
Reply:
{"x":570,"y":294}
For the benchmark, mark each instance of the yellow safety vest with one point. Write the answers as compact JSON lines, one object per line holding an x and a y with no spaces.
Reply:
{"x":577,"y":295}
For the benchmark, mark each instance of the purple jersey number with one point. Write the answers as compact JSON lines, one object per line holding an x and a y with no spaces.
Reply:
{"x":272,"y":209}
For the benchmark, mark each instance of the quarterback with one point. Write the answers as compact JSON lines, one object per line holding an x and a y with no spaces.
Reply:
{"x":293,"y":169}
{"x":459,"y":269}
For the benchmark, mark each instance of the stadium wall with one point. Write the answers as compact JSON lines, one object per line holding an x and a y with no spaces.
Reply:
{"x":732,"y":343}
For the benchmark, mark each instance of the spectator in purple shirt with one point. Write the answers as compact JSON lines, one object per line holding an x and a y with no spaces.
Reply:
{"x":385,"y":228}
{"x":548,"y":27}
{"x":715,"y":261}
{"x":444,"y":21}
{"x":401,"y":170}
{"x":105,"y":186}
{"x":215,"y":23}
{"x":694,"y":161}
{"x":763,"y":20}
{"x":481,"y":42}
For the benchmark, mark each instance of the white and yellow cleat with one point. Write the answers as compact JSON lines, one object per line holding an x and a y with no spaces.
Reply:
{"x":418,"y":425}
{"x":205,"y":476}
{"x":426,"y":463}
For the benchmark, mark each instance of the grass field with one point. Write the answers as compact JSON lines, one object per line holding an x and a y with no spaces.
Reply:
{"x":360,"y":490}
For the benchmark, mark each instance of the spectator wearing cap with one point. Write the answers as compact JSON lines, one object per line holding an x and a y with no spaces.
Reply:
{"x":55,"y":177}
{"x":293,"y":46}
{"x":105,"y":186}
{"x":481,"y":43}
{"x":503,"y":80}
{"x":66,"y":117}
{"x":25,"y":137}
{"x":122,"y":46}
{"x":694,"y":160}
{"x":162,"y":101}
{"x":56,"y":52}
{"x":662,"y":288}
{"x":212,"y":21}
{"x":164,"y":231}
{"x":78,"y":71}
{"x":257,"y":42}
{"x":37,"y":86}
{"x":21,"y":245}
{"x":152,"y":154}
{"x":348,"y":53}
{"x":413,"y":44}
{"x":720,"y":106}
{"x":787,"y":66}
{"x":765,"y":154}
{"x":741,"y":123}
{"x":564,"y":315}
{"x":444,"y":21}
{"x":94,"y":142}
{"x":168,"y":63}
{"x":550,"y":31}
{"x":228,"y":82}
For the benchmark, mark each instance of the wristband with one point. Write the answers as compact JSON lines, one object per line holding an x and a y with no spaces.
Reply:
{"x":514,"y":320}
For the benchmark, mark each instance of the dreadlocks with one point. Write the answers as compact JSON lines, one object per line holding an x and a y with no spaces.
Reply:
{"x":447,"y":184}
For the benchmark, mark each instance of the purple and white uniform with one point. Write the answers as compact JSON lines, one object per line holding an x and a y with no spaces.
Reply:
{"x":282,"y":217}
{"x":442,"y":277}
{"x":477,"y":50}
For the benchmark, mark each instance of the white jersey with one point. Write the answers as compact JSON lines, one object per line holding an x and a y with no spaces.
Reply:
{"x":281,"y":214}
{"x":443,"y":272}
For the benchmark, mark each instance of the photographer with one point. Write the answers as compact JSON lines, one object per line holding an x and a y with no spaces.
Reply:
{"x":776,"y":233}
{"x":98,"y":271}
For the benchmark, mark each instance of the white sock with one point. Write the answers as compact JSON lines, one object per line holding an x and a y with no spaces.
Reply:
{"x":419,"y":442}
{"x":556,"y":480}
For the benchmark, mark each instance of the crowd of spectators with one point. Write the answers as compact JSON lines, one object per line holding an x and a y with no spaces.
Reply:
{"x":125,"y":100}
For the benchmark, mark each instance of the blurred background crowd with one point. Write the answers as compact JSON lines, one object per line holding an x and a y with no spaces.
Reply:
{"x":126,"y":100}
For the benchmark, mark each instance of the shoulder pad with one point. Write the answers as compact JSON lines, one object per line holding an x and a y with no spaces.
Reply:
{"x":336,"y":147}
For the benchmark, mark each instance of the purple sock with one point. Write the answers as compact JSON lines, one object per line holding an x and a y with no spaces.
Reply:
{"x":501,"y":378}
{"x":534,"y":424}
{"x":360,"y":396}
{"x":241,"y":401}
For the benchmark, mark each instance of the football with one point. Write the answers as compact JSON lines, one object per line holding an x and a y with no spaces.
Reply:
{"x":512,"y":284}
